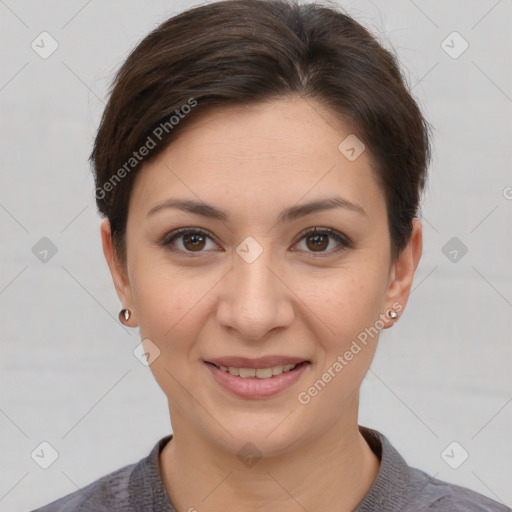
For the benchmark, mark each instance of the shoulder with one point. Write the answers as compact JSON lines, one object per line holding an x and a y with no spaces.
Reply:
{"x":132,"y":487}
{"x":441,"y":496}
{"x":108,"y":493}
{"x":404,"y":488}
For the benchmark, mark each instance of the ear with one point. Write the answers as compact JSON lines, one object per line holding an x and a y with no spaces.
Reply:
{"x":118,"y":271}
{"x":402,"y":274}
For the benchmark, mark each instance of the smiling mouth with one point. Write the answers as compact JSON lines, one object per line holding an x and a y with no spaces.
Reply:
{"x":259,"y":373}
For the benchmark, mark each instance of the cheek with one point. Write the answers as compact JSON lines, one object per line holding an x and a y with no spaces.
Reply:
{"x":345,"y":301}
{"x":170,"y":310}
{"x":169,"y":303}
{"x":350,"y":305}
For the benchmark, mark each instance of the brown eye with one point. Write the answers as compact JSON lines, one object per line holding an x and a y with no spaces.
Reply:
{"x":194,"y":241}
{"x":187,"y":241}
{"x":318,"y":240}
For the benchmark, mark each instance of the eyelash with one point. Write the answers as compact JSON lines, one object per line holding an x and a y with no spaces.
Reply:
{"x":344,"y":242}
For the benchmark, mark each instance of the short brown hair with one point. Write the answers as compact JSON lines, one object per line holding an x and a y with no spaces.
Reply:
{"x":250,"y":51}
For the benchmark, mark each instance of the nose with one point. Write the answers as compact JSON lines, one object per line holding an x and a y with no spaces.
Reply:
{"x":255,"y":299}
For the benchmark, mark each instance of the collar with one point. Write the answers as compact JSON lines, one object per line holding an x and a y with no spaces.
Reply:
{"x":391,"y":490}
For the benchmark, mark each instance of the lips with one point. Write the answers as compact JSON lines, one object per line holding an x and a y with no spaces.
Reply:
{"x":239,"y":382}
{"x":261,"y":362}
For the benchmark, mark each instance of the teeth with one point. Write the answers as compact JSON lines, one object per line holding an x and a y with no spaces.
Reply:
{"x":263,"y":373}
{"x":260,"y":373}
{"x":247,"y":372}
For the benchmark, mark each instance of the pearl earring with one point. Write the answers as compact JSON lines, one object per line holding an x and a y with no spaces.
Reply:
{"x":124,"y":315}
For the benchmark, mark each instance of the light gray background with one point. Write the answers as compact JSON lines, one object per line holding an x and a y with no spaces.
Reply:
{"x":69,"y":376}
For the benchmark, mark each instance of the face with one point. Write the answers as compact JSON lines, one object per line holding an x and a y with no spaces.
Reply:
{"x":253,"y":281}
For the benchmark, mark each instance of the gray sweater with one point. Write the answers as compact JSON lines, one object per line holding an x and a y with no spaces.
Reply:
{"x":398,"y":487}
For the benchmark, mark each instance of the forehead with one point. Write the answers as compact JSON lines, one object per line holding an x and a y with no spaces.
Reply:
{"x":255,"y":156}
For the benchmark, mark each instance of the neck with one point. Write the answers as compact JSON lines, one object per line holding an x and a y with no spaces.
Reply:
{"x":333,"y":471}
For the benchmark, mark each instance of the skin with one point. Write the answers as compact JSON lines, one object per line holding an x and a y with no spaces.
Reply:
{"x":293,"y":300}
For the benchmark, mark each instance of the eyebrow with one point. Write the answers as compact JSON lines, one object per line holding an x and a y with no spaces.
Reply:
{"x":287,"y":215}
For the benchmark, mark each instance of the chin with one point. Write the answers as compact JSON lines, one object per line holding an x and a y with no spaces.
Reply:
{"x":260,"y":434}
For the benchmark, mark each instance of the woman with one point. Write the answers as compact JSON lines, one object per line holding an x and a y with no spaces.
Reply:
{"x":260,"y":166}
